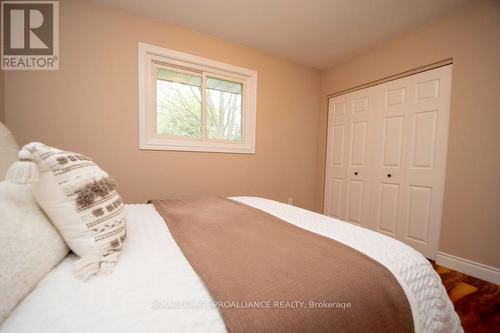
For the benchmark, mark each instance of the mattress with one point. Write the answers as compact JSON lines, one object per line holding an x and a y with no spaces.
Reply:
{"x":154,"y":288}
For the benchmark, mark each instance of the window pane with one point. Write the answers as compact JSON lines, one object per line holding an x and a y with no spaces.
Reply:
{"x":178,"y":103}
{"x":224,"y":109}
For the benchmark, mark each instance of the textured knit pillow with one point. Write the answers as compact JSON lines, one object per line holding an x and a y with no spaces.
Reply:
{"x":30,"y":245}
{"x":81,"y":201}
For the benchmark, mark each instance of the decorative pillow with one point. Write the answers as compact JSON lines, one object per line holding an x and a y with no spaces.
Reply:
{"x":81,"y":201}
{"x":31,"y":246}
{"x":8,"y":150}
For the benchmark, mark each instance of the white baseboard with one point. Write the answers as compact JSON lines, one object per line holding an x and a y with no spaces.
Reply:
{"x":475,"y":269}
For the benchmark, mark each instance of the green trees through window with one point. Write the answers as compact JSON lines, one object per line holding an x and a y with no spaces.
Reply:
{"x":183,"y":110}
{"x":224,"y":109}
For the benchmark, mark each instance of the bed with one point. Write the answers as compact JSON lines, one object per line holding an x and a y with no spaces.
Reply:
{"x":154,"y":288}
{"x":134,"y":298}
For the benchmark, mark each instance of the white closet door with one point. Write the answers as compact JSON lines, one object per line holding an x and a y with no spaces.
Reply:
{"x":359,"y":178}
{"x":428,"y":118}
{"x":386,"y":157}
{"x":412,"y":131}
{"x":393,"y":99}
{"x":348,"y":168}
{"x":336,"y":162}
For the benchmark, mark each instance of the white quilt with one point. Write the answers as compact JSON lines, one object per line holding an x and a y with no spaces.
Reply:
{"x":154,"y":288}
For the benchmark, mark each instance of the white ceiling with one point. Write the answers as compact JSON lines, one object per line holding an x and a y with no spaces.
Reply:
{"x":318,"y":33}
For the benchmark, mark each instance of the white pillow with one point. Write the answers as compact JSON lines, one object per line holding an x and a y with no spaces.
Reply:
{"x":31,"y":246}
{"x":80,"y":200}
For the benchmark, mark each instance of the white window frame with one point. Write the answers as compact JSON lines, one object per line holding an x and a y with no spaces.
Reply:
{"x":149,"y":58}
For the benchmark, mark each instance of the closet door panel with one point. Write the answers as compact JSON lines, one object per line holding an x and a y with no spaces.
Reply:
{"x":390,"y":149}
{"x":358,"y":143}
{"x":393,"y":141}
{"x":424,"y":139}
{"x":336,"y":197}
{"x":338,"y":145}
{"x":336,"y":161}
{"x":360,"y":104}
{"x":419,"y":213}
{"x":355,"y":201}
{"x":359,"y":164}
{"x":394,"y":95}
{"x":339,"y":109}
{"x":388,"y":208}
{"x":428,"y":117}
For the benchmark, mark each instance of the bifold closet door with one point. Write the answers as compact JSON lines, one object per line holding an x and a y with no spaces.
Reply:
{"x":386,"y":157}
{"x":428,"y":124}
{"x":429,"y":111}
{"x":349,"y":163}
{"x":359,"y":161}
{"x":336,"y":164}
{"x":390,"y":146}
{"x":412,"y":131}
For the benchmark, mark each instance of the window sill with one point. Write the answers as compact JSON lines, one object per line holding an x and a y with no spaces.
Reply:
{"x":207,"y":147}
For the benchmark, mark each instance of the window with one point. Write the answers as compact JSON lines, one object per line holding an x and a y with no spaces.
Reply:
{"x":194,"y":104}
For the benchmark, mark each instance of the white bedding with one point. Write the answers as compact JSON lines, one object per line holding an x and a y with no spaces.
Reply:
{"x":152,"y":275}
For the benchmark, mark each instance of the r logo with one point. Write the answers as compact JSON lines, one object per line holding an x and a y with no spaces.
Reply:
{"x":30,"y":28}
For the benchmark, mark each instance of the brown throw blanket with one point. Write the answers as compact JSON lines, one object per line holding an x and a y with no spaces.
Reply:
{"x":267,"y":275}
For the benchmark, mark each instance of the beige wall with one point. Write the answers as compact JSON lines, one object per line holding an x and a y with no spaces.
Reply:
{"x":471,"y":220}
{"x":2,"y":100}
{"x":90,"y":106}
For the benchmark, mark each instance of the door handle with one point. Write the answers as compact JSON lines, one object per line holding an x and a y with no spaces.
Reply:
{"x":389,"y":175}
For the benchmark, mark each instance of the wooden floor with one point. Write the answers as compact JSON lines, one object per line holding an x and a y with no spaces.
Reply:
{"x":477,"y":302}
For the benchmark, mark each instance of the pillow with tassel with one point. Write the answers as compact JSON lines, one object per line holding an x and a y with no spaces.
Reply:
{"x":80,"y":199}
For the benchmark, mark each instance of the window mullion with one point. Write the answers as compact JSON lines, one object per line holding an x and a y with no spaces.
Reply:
{"x":203,"y":131}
